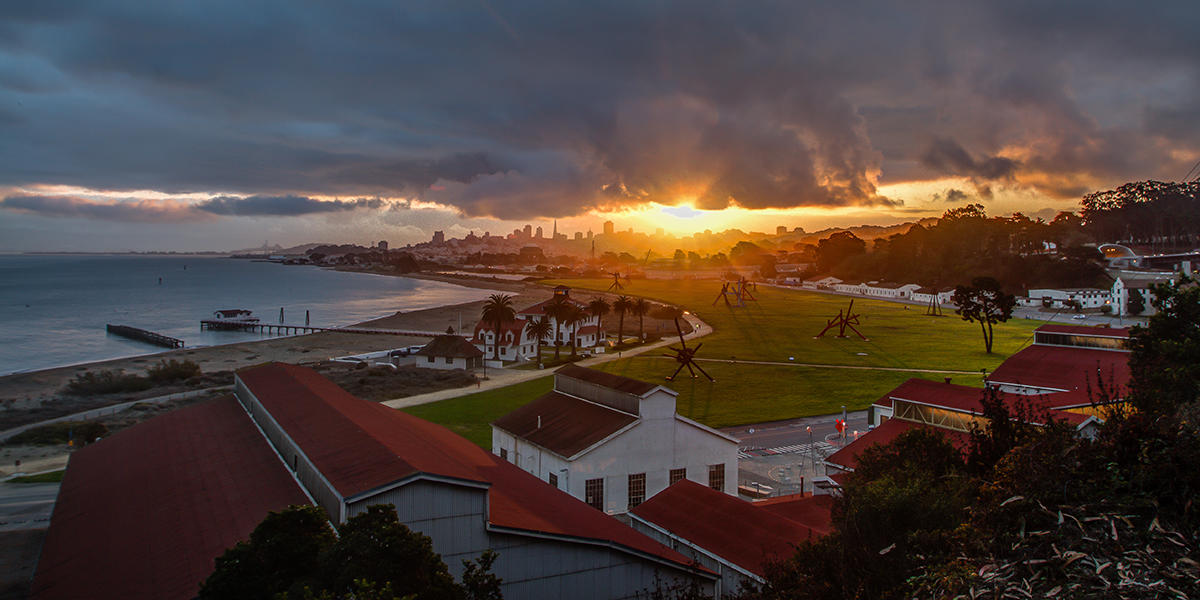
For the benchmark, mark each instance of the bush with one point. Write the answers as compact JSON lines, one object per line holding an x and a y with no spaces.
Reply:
{"x":81,"y":432}
{"x":173,"y":370}
{"x":106,"y":382}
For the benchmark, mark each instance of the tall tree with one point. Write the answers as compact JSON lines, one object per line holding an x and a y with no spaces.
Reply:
{"x":539,"y":329}
{"x":556,"y":310}
{"x":282,"y":555}
{"x":640,"y":307}
{"x":621,"y":306}
{"x":498,"y":310}
{"x":1164,"y":358}
{"x":835,"y":249}
{"x":984,"y":302}
{"x":573,"y":317}
{"x":599,"y":307}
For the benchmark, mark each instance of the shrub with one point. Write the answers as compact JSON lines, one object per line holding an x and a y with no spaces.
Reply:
{"x":173,"y":370}
{"x":81,"y":432}
{"x":106,"y":382}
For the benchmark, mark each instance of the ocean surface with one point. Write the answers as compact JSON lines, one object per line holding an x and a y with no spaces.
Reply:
{"x":53,"y":308}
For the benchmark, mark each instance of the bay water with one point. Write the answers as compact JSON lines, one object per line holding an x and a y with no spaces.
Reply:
{"x":53,"y":308}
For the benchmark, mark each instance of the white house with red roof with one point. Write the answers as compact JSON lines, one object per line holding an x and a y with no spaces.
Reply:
{"x":613,"y":441}
{"x":145,"y":513}
{"x":515,"y":341}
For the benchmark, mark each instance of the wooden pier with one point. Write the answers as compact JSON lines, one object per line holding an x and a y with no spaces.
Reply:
{"x":142,"y":335}
{"x":284,"y":329}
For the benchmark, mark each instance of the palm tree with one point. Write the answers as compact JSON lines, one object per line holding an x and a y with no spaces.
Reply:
{"x":640,"y":307}
{"x":621,"y":305}
{"x":557,"y":310}
{"x":539,"y":329}
{"x":572,"y":319}
{"x":497,"y":311}
{"x":598,"y":307}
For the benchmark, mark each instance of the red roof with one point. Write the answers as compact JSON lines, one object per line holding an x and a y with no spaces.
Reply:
{"x":516,"y":327}
{"x":540,"y":307}
{"x":891,"y":429}
{"x":359,"y":445}
{"x":724,"y":525}
{"x":569,"y":425}
{"x":144,"y":513}
{"x":1063,"y":368}
{"x":1085,"y":330}
{"x":968,"y":399}
{"x":608,"y":380}
{"x":811,"y":511}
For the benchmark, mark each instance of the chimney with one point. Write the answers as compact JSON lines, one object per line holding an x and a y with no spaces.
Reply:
{"x":539,"y":422}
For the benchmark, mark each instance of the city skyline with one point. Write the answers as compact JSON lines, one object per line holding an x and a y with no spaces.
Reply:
{"x":167,"y":128}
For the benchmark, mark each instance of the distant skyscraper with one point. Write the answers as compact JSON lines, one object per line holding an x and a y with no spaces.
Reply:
{"x":589,"y":236}
{"x":383,"y":245}
{"x":579,"y":235}
{"x":528,"y":230}
{"x":538,"y":232}
{"x":780,"y":230}
{"x":554,"y":236}
{"x":439,"y":237}
{"x":608,"y":228}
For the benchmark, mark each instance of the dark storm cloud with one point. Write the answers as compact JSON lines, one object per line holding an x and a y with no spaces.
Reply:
{"x":137,"y":211}
{"x":282,"y":206}
{"x":548,"y":109}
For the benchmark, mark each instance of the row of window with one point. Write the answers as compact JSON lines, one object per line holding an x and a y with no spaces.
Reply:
{"x":593,"y":489}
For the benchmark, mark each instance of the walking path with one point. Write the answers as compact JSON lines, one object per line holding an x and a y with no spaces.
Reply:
{"x":111,"y":409}
{"x":498,"y":378}
{"x":829,"y":366}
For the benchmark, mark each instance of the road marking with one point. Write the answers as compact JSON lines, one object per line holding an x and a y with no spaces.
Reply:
{"x":823,"y":448}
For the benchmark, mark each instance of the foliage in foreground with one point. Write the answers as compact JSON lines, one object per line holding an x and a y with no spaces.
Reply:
{"x":294,"y":554}
{"x":117,"y":381}
{"x":1038,"y":512}
{"x":80,"y":433}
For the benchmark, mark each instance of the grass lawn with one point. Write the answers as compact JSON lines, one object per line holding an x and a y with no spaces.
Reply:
{"x":471,"y":416}
{"x":51,"y":477}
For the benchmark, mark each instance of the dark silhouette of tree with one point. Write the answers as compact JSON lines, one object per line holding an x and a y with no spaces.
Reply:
{"x":498,"y":310}
{"x":375,"y":546}
{"x":639,"y":308}
{"x":837,"y":248}
{"x":1136,"y":303}
{"x":984,"y":302}
{"x":1165,"y":354}
{"x":557,"y":311}
{"x":572,"y":319}
{"x":539,"y":329}
{"x":282,"y":555}
{"x":621,"y":306}
{"x":599,"y":307}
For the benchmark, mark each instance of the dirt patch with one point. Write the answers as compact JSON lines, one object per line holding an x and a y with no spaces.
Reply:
{"x":385,"y":383}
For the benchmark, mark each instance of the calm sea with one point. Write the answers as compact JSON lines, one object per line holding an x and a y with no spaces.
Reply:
{"x":53,"y":308}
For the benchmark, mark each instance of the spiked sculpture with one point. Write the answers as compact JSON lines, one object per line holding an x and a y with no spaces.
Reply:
{"x":843,"y":321}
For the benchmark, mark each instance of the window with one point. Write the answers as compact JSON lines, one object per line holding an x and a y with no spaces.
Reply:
{"x":678,"y":475}
{"x":428,"y":359}
{"x":504,"y":453}
{"x":449,"y":360}
{"x":593,"y":493}
{"x":637,"y":489}
{"x":716,"y":477}
{"x":552,"y":479}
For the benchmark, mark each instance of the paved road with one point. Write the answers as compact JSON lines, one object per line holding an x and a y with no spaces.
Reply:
{"x":26,"y":505}
{"x":794,"y":432}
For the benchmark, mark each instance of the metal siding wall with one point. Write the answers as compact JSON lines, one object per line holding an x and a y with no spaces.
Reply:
{"x":602,"y":395}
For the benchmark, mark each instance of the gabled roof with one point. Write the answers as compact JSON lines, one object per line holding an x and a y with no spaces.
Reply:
{"x":452,"y":346}
{"x":737,"y":531}
{"x":891,"y":429}
{"x":609,"y":380}
{"x":967,"y":399}
{"x":144,"y":513}
{"x":357,"y":445}
{"x":540,"y":307}
{"x":360,"y":446}
{"x":1063,"y":368}
{"x":569,"y":425}
{"x":515,"y":327}
{"x":1113,"y":332}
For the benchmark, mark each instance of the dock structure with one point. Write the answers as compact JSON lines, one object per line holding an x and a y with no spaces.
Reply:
{"x":142,"y":335}
{"x":284,"y":329}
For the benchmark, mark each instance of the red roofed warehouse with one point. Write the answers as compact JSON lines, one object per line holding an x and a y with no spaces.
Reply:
{"x":612,"y":441}
{"x":350,"y":453}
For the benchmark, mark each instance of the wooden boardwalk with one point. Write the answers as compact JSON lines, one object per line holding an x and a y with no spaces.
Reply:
{"x":142,"y":335}
{"x":284,"y":329}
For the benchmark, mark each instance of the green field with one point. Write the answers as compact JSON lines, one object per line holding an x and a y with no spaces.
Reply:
{"x":470,"y":416}
{"x":778,"y":327}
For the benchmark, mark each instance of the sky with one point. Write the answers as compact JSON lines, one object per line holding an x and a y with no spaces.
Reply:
{"x":223,"y":125}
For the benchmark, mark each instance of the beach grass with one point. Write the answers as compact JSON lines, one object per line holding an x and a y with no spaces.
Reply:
{"x":471,"y":416}
{"x":51,"y":477}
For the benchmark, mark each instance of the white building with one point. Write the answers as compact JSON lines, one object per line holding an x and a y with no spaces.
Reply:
{"x":889,"y":289}
{"x":587,"y":332}
{"x":927,"y":295}
{"x":612,"y":441}
{"x":1125,"y":285}
{"x":820,"y":283}
{"x":515,"y":341}
{"x":1066,"y":297}
{"x":449,"y":352}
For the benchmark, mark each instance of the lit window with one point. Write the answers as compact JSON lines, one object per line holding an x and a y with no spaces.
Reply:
{"x":637,"y":489}
{"x":716,"y":477}
{"x":593,"y":493}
